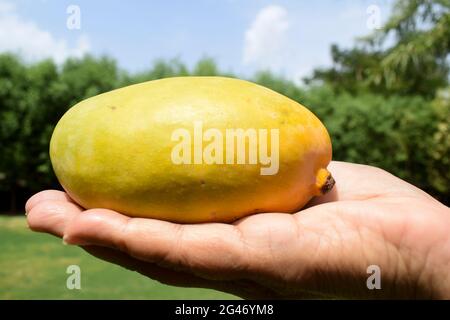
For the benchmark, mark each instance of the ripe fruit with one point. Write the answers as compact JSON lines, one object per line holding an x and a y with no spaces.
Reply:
{"x":192,"y":149}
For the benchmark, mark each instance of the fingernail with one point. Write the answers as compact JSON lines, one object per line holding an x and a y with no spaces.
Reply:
{"x":65,"y":241}
{"x":73,"y":241}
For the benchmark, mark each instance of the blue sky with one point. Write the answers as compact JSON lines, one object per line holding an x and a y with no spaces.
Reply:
{"x":290,"y":37}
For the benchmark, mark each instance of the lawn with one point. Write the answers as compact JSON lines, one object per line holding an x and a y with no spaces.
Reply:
{"x":33,"y":266}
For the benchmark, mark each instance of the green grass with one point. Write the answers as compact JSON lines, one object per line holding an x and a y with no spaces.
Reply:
{"x":33,"y":266}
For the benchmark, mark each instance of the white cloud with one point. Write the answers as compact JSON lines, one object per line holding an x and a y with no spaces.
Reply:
{"x":265,"y":40}
{"x":33,"y":43}
{"x":293,"y":42}
{"x":6,"y":7}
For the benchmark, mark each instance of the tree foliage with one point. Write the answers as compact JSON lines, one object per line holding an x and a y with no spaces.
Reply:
{"x":387,"y":106}
{"x":409,"y":55}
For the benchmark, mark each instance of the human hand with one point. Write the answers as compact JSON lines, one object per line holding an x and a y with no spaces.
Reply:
{"x":369,"y":218}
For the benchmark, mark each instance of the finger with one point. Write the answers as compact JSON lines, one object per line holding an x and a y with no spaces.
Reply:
{"x":203,"y":249}
{"x":52,"y":216}
{"x":46,"y":195}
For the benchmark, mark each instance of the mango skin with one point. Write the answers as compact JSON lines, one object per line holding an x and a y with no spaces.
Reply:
{"x":114,"y":151}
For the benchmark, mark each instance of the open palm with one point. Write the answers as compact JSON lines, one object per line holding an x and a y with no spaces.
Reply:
{"x":369,"y":218}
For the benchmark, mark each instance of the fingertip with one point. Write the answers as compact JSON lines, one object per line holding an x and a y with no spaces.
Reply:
{"x":32,"y":220}
{"x":37,"y":216}
{"x":45,"y":195}
{"x":51,"y":216}
{"x":71,"y":240}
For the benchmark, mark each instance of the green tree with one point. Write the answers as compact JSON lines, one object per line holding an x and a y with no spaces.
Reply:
{"x":161,"y":69}
{"x":205,"y":67}
{"x":13,"y":78}
{"x":406,"y":135}
{"x":25,"y":98}
{"x":33,"y":97}
{"x":279,"y":84}
{"x":415,"y":63}
{"x":86,"y":77}
{"x":439,"y":151}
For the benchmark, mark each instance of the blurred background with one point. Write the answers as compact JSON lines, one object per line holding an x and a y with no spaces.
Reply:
{"x":375,"y":72}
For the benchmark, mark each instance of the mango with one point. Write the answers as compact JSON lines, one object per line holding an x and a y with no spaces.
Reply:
{"x":191,"y":150}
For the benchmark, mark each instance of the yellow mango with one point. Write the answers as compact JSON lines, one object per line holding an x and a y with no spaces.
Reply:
{"x":192,"y":149}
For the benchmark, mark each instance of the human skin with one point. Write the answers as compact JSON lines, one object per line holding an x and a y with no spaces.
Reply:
{"x":323,"y":251}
